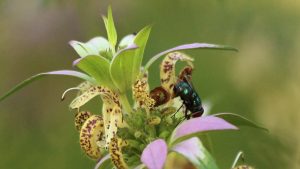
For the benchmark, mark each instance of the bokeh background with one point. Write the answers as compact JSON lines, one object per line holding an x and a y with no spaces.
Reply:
{"x":261,"y":81}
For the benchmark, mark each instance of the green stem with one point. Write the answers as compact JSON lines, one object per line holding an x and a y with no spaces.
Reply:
{"x":125,"y":103}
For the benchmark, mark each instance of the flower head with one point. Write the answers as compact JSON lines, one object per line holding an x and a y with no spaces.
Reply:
{"x":133,"y":132}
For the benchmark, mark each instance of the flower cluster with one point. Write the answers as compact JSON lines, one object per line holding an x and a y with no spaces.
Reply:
{"x":137,"y":131}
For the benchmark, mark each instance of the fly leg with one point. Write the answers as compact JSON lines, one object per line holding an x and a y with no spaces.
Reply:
{"x":186,"y":115}
{"x":173,"y":116}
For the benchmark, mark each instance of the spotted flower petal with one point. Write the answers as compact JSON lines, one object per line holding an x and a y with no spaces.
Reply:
{"x":111,"y":109}
{"x":91,"y":133}
{"x":112,"y":115}
{"x":80,"y":118}
{"x":112,"y":119}
{"x":88,"y":95}
{"x":115,"y":150}
{"x":141,"y":93}
{"x":167,"y":69}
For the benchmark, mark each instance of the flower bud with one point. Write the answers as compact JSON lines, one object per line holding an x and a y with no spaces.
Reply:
{"x":154,"y":120}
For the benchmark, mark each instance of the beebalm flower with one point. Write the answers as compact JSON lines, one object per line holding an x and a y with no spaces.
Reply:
{"x":138,"y":133}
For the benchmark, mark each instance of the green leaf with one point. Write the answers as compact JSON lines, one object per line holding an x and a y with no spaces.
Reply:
{"x":122,"y":68}
{"x":238,"y":120}
{"x":186,"y":47}
{"x":98,"y":68}
{"x":110,"y":28}
{"x":195,"y":152}
{"x":141,"y":41}
{"x":40,"y":75}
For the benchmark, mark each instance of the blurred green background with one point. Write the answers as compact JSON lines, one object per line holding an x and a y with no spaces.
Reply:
{"x":262,"y":81}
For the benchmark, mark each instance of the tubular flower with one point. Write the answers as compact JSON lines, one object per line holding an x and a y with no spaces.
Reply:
{"x":111,"y":110}
{"x":115,"y":150}
{"x":167,"y":69}
{"x":141,"y":94}
{"x":80,"y":118}
{"x":91,"y":133}
{"x":126,"y":136}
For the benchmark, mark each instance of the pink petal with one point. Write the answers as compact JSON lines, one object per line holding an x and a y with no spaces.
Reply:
{"x":201,"y":124}
{"x":155,"y":154}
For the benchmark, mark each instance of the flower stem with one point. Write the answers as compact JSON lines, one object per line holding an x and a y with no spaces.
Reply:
{"x":125,"y":103}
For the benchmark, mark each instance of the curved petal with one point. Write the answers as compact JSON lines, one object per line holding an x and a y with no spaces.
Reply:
{"x":111,"y":109}
{"x":197,"y":125}
{"x":155,"y":154}
{"x":80,"y":118}
{"x":115,"y":150}
{"x":88,"y":95}
{"x":196,"y":153}
{"x":188,"y":46}
{"x":91,"y":133}
{"x":167,"y":70}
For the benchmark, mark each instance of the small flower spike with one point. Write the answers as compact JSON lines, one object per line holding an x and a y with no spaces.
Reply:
{"x":91,"y":133}
{"x":167,"y":69}
{"x":140,"y":91}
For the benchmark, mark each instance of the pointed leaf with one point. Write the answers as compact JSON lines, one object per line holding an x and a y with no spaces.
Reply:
{"x":122,"y":68}
{"x":198,"y":125}
{"x":238,"y":120}
{"x":40,"y":75}
{"x":104,"y":163}
{"x":98,"y":68}
{"x":196,"y":153}
{"x":140,"y":40}
{"x":155,"y":154}
{"x":110,"y":28}
{"x":188,"y":46}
